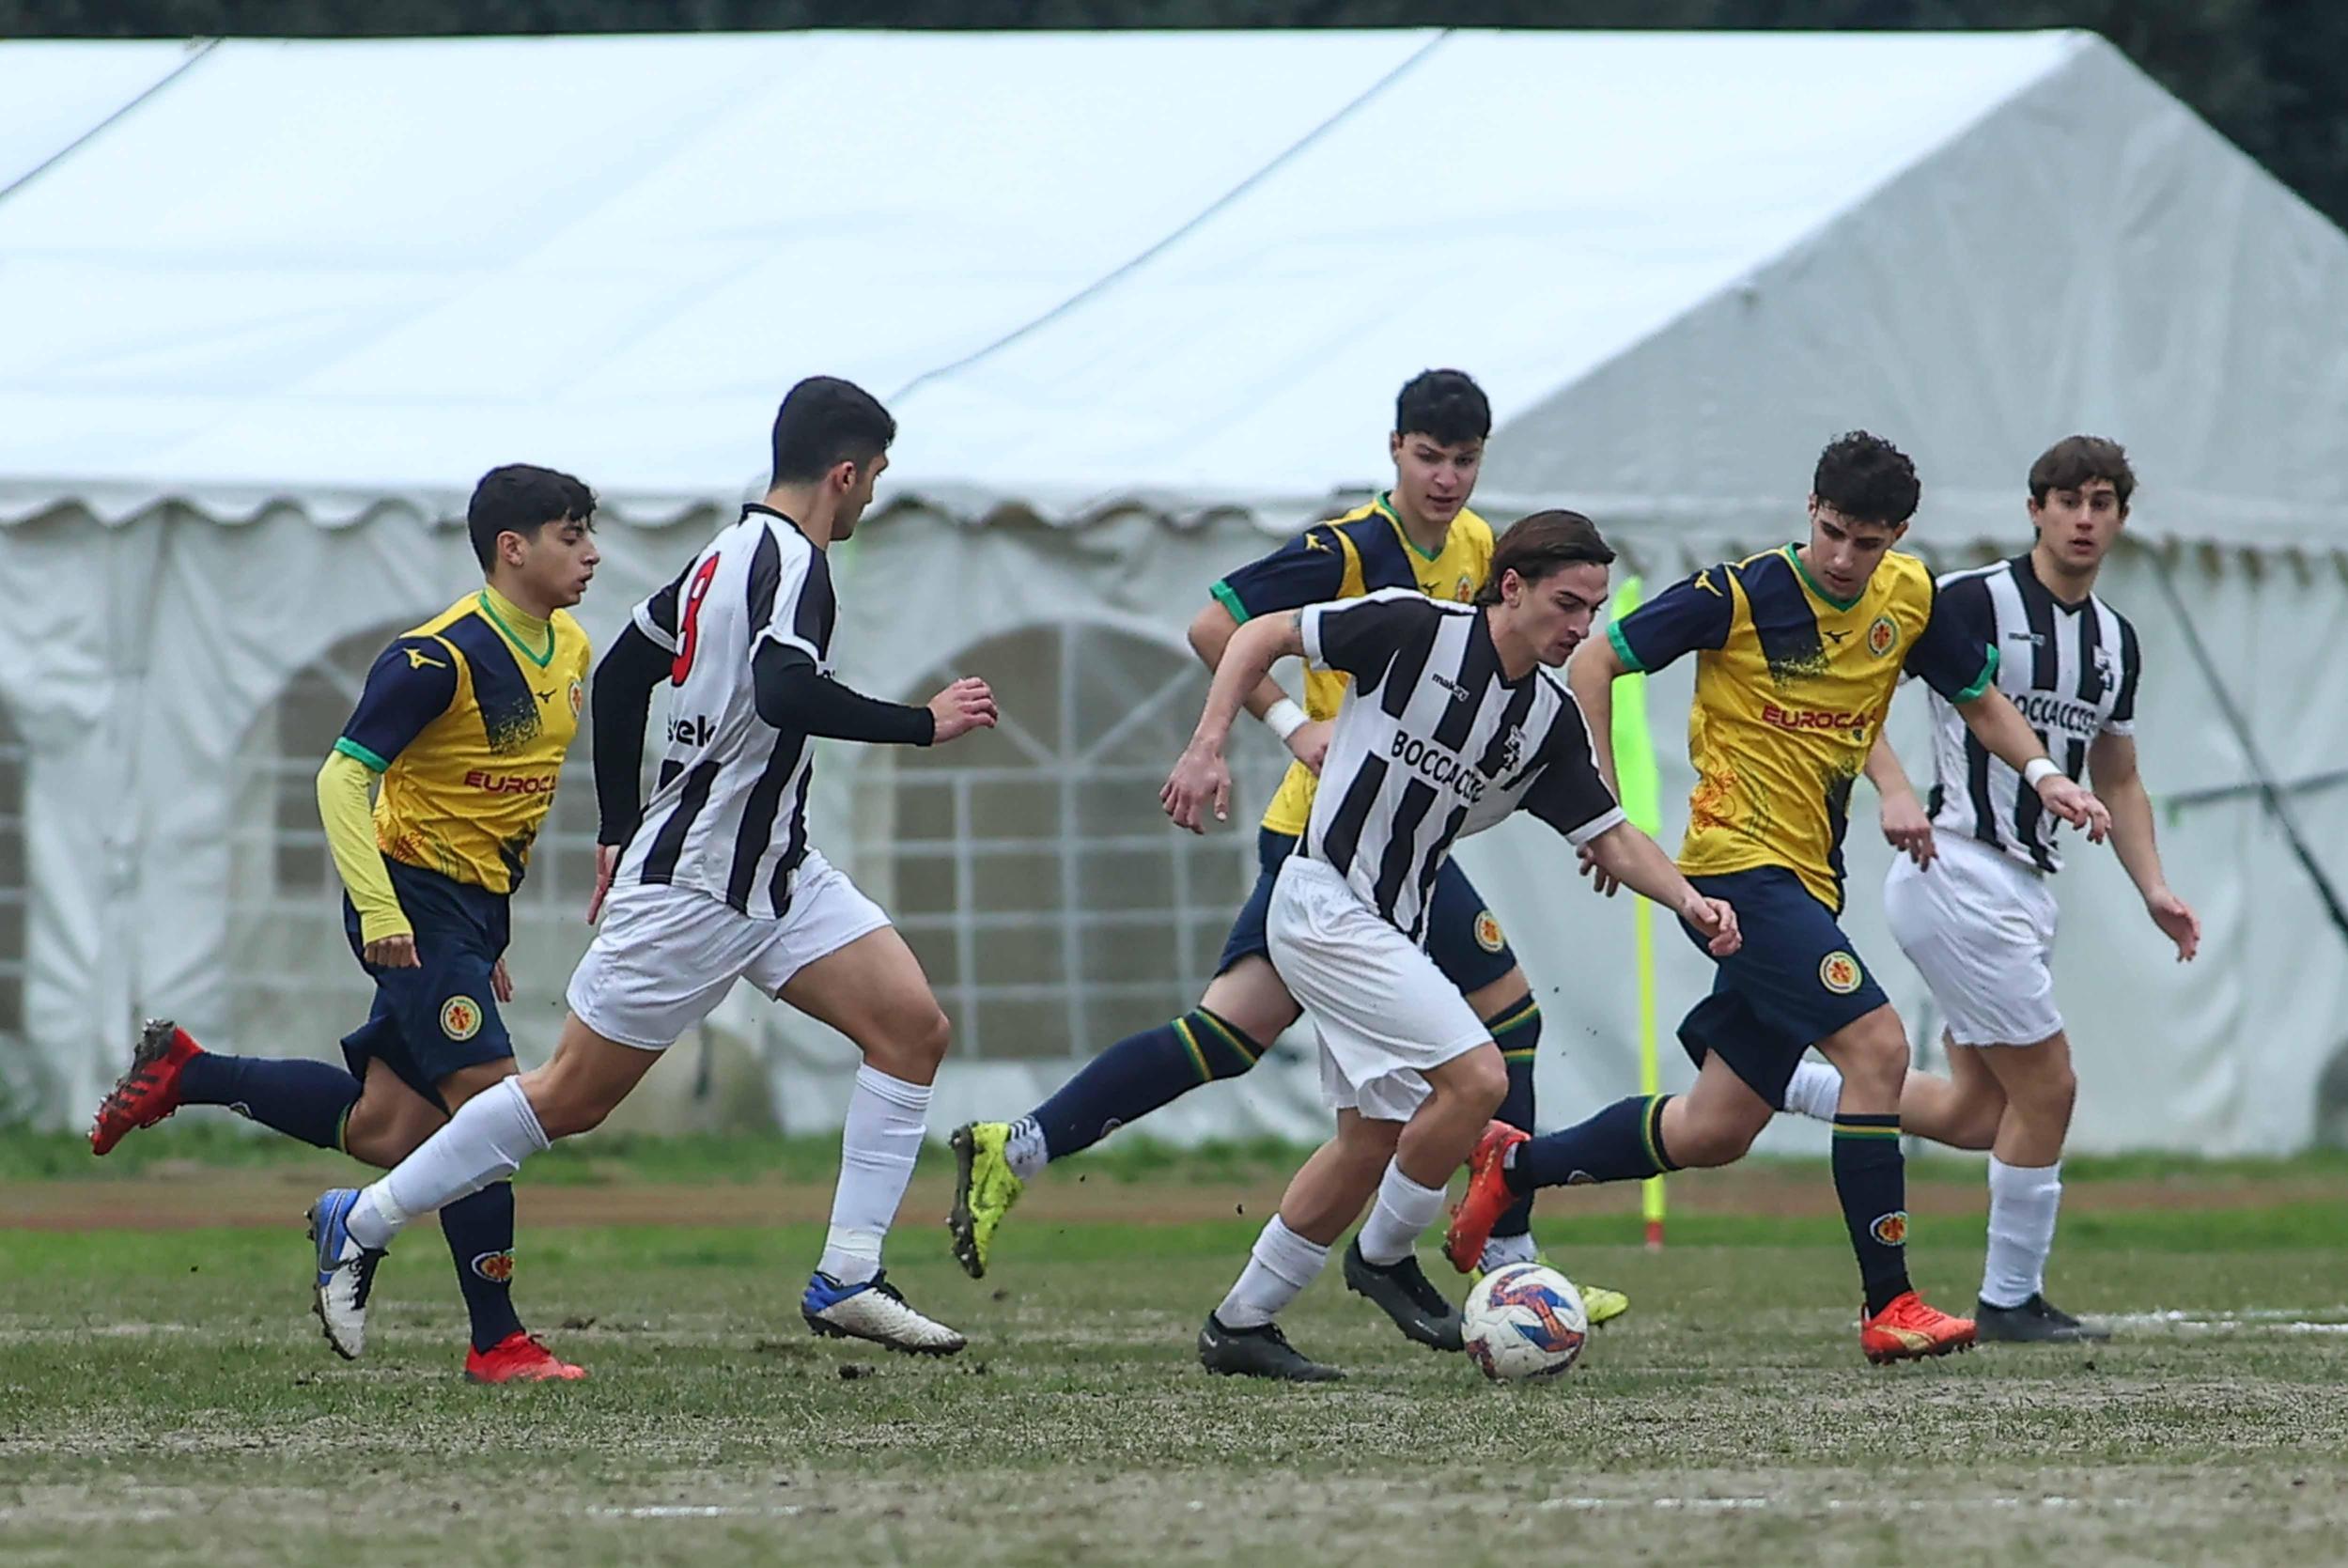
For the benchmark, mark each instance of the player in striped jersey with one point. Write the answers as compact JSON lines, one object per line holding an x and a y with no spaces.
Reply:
{"x":1972,"y":902}
{"x":718,"y":883}
{"x":1450,"y":726}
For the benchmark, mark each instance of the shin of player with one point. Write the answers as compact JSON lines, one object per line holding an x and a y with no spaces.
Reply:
{"x":1451,"y":724}
{"x":714,"y":880}
{"x":1797,"y":652}
{"x":1971,"y":901}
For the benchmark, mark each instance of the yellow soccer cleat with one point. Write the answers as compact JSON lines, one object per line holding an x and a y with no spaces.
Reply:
{"x":1598,"y":1304}
{"x":984,"y":1192}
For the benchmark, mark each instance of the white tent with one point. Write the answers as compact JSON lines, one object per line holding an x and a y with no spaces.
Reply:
{"x":267,"y":309}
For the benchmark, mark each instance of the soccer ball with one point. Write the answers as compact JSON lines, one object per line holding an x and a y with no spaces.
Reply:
{"x":1524,"y":1321}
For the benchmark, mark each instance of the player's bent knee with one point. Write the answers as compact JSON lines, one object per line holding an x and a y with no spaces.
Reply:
{"x":1478,"y":1081}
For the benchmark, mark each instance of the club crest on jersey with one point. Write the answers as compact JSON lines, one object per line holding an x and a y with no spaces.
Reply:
{"x":1840,"y":972}
{"x":1891,"y":1229}
{"x":578,"y":697}
{"x":496,"y":1268}
{"x":1882,"y":635}
{"x":461,"y":1018}
{"x":2107,"y":666}
{"x":1463,"y":590}
{"x":1489,"y":932}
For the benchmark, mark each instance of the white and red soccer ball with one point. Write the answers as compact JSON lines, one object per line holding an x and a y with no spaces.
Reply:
{"x":1524,"y":1320}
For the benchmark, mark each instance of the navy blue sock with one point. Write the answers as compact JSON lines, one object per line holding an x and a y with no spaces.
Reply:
{"x":1871,"y":1178}
{"x":299,"y":1098}
{"x":1139,"y":1074}
{"x":1518,"y":1032}
{"x":1621,"y":1143}
{"x":480,"y":1232}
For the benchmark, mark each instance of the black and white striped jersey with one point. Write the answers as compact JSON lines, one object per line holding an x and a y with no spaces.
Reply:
{"x":2071,"y":669}
{"x":729,"y":817}
{"x":1431,"y":744}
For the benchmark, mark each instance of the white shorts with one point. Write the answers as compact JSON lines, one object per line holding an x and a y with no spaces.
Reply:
{"x":1980,"y":929}
{"x":664,"y":956}
{"x":1383,"y":1012}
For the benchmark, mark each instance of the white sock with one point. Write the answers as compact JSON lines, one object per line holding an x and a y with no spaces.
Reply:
{"x":486,"y":1142}
{"x":1817,"y":1089}
{"x":1025,"y":1149}
{"x":2023,"y":1200}
{"x":886,"y":1120}
{"x":1501,"y":1251}
{"x":1280,"y":1265}
{"x":1402,"y":1214}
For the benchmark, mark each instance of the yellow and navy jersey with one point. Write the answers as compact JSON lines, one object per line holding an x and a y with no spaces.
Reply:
{"x":1792,"y":686}
{"x":1347,"y":557}
{"x":467,"y":718}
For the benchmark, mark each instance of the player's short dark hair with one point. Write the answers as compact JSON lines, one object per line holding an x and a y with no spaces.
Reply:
{"x":824,"y":422}
{"x":1542,"y":545}
{"x":1445,"y":406}
{"x":2074,"y":461}
{"x":1867,"y":480}
{"x":522,"y":498}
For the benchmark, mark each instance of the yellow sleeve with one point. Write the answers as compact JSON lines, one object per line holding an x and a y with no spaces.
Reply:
{"x":345,"y":807}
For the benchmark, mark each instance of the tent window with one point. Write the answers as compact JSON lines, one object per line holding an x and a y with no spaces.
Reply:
{"x":296,"y":987}
{"x":1052,"y":905}
{"x":11,"y":882}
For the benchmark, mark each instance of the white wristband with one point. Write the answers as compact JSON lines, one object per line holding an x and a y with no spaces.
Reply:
{"x":1285,"y":718}
{"x":2039,"y":771}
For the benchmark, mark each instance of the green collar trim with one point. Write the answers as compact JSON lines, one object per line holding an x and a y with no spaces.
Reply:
{"x":1793,"y":553}
{"x":1384,"y":506}
{"x":541,"y":659}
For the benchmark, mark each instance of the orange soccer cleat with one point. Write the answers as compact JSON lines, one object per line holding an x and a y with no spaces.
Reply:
{"x":1487,"y":1197}
{"x":1908,"y":1330}
{"x":520,"y":1357}
{"x":149,"y":1091}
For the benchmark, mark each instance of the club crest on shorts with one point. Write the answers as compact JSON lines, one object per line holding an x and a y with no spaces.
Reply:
{"x":1891,"y":1229}
{"x":1840,"y":972}
{"x":1882,"y":636}
{"x":496,"y":1268}
{"x":1489,"y":932}
{"x":461,"y":1018}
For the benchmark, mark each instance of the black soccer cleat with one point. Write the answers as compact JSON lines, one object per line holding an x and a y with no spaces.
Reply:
{"x":2037,"y":1321}
{"x":1402,"y":1292}
{"x":1258,"y":1353}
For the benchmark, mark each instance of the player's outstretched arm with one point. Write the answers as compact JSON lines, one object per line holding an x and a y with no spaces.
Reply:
{"x":2111,"y":763}
{"x":1201,"y":779}
{"x":1307,"y":740}
{"x":1590,"y":674}
{"x":623,"y":686}
{"x":2002,"y":731}
{"x":793,"y":694}
{"x":345,"y":809}
{"x":1906,"y":826}
{"x":1625,"y":853}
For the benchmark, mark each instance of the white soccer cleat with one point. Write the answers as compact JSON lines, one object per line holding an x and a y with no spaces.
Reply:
{"x":874,"y":1311}
{"x":346,"y":1273}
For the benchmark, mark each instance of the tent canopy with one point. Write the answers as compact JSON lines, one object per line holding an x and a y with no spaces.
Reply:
{"x":1184,"y":271}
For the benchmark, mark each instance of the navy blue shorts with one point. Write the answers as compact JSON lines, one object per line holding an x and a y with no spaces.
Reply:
{"x":1462,"y":936}
{"x":431,"y":1021}
{"x":1797,"y":980}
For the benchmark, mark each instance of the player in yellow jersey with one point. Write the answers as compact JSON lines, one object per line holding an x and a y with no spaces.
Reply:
{"x":1420,"y":535}
{"x":463,"y":725}
{"x":1797,"y":651}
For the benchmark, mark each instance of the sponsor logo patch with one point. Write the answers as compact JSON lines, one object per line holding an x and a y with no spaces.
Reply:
{"x":498,"y":1268}
{"x":1882,"y":636}
{"x":1891,"y":1229}
{"x":1489,"y":932}
{"x":1840,"y":972}
{"x":461,"y":1018}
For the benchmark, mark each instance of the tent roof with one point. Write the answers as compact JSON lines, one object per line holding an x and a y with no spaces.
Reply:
{"x":1184,"y":270}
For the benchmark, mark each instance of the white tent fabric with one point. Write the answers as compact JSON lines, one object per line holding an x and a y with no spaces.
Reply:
{"x":1137,"y":300}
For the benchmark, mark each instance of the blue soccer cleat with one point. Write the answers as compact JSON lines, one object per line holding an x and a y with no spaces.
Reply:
{"x":874,"y":1311}
{"x":346,"y":1272}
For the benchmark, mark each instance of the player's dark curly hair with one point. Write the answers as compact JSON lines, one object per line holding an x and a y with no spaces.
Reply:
{"x":1445,"y":406}
{"x":1867,"y":480}
{"x":522,"y":498}
{"x":823,"y":422}
{"x":1546,"y":542}
{"x":2073,"y":460}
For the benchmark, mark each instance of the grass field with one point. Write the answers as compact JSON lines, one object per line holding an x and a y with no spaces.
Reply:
{"x":164,"y":1397}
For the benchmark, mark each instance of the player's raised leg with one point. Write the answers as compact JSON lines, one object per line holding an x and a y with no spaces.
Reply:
{"x":872,"y":991}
